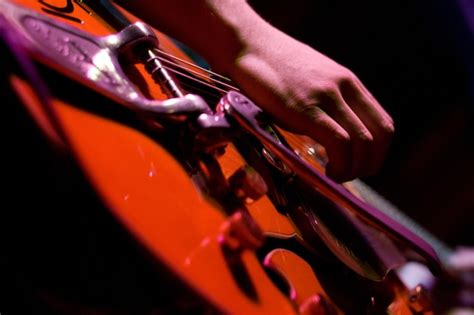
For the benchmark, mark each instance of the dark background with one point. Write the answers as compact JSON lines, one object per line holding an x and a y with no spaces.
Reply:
{"x":416,"y":57}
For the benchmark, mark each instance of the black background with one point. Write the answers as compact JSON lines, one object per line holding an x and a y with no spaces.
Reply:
{"x":416,"y":57}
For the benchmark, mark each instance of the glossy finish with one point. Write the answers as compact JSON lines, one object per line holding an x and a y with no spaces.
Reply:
{"x":245,"y":112}
{"x":94,"y":61}
{"x":240,"y":232}
{"x":247,"y":184}
{"x":303,"y":284}
{"x":154,"y":198}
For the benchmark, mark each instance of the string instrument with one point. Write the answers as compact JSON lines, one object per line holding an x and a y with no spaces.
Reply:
{"x":151,"y":185}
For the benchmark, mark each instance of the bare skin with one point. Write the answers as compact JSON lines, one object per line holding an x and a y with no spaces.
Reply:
{"x":304,"y":90}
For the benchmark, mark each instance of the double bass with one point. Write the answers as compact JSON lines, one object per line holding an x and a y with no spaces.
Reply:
{"x":151,"y":185}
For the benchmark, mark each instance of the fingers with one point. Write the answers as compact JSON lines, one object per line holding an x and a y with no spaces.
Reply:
{"x":374,"y":117}
{"x":329,"y":133}
{"x":361,"y":139}
{"x":325,"y":101}
{"x":353,"y":127}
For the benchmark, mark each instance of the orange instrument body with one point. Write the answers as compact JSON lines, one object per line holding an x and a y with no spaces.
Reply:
{"x":153,"y":197}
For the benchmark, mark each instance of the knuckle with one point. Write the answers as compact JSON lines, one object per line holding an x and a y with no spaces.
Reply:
{"x":351,"y":76}
{"x":349,"y":83}
{"x":316,"y":114}
{"x":347,"y":77}
{"x":299,"y":99}
{"x":328,"y":90}
{"x":303,"y":107}
{"x":327,"y":85}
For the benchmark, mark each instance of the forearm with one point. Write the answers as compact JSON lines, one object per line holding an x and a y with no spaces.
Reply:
{"x":301,"y":88}
{"x":220,"y":30}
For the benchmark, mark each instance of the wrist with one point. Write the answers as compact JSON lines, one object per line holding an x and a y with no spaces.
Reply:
{"x":242,"y":31}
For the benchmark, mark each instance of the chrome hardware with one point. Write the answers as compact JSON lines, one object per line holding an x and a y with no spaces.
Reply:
{"x":212,"y":133}
{"x":128,"y":39}
{"x":158,"y":72}
{"x":419,"y":300}
{"x":276,"y":162}
{"x":93,"y":60}
{"x":243,"y":113}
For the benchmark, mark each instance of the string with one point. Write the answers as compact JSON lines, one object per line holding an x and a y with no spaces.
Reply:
{"x":208,"y":95}
{"x":195,"y":79}
{"x":190,"y":74}
{"x":212,"y":98}
{"x":196,"y":76}
{"x":193,"y":65}
{"x":196,"y":73}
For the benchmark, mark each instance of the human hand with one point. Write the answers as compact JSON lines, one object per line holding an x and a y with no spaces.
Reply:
{"x":308,"y":93}
{"x":305,"y":91}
